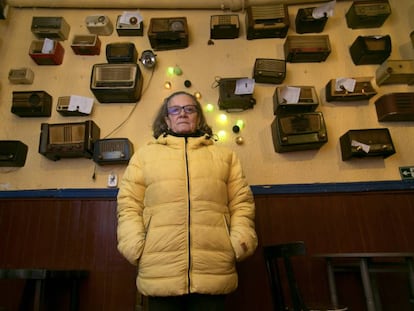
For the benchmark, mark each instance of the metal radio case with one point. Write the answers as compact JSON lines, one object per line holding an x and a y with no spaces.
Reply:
{"x":308,"y":101}
{"x":89,"y":44}
{"x":363,"y":91}
{"x":367,"y":14}
{"x":121,"y":52}
{"x":307,"y":48}
{"x":395,"y":107}
{"x":99,"y":25}
{"x":230,"y":101}
{"x":68,"y":140}
{"x":133,"y":28}
{"x":21,"y":76}
{"x":62,"y":107}
{"x":31,"y":104}
{"x":395,"y":72}
{"x":50,"y":27}
{"x":13,"y":153}
{"x":306,"y":23}
{"x":366,"y":143}
{"x":297,"y":132}
{"x":55,"y":57}
{"x":225,"y":26}
{"x":268,"y":70}
{"x":368,"y":50}
{"x":267,"y":21}
{"x":116,"y":83}
{"x":112,"y":151}
{"x":168,"y":33}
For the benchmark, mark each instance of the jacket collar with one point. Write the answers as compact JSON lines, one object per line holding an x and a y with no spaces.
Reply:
{"x":193,"y":141}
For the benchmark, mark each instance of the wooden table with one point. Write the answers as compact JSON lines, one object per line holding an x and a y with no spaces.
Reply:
{"x":368,"y":264}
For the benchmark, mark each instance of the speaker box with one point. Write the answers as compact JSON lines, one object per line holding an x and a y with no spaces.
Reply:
{"x":13,"y":153}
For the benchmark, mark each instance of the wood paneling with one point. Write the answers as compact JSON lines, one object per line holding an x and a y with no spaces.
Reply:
{"x":81,"y":233}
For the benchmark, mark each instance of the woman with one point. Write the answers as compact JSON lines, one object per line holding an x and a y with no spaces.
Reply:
{"x":185,"y":212}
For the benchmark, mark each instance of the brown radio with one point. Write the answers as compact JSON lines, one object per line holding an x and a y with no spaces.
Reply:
{"x":395,"y":107}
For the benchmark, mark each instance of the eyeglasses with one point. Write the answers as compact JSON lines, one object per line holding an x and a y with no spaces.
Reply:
{"x":175,"y":110}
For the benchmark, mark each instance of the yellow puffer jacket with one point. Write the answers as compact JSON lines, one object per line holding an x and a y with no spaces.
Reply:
{"x":184,"y":210}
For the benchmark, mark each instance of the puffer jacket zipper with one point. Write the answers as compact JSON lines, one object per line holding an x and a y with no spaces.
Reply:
{"x":189,"y":215}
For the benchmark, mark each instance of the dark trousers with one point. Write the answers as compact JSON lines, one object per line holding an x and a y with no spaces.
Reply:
{"x":191,"y":302}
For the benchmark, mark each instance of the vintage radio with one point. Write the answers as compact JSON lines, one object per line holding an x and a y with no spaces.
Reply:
{"x":50,"y":27}
{"x":121,"y":52}
{"x":129,"y":26}
{"x":43,"y":54}
{"x":307,"y":49}
{"x":225,"y":26}
{"x":31,"y":104}
{"x":301,"y":131}
{"x":367,"y":14}
{"x":68,"y":140}
{"x":306,"y":23}
{"x":112,"y":151}
{"x":21,"y":76}
{"x":70,"y":106}
{"x":307,"y":100}
{"x":267,"y":21}
{"x":367,"y":50}
{"x":395,"y":72}
{"x":116,"y":83}
{"x":99,"y":25}
{"x":268,"y":70}
{"x":168,"y":33}
{"x":13,"y":153}
{"x":86,"y":44}
{"x":395,"y":107}
{"x":366,"y":143}
{"x":362,"y":90}
{"x":229,"y":100}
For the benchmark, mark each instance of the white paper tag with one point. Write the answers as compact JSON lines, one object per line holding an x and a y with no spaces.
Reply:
{"x":127,"y":16}
{"x":244,"y":86}
{"x":81,"y":104}
{"x":324,"y":10}
{"x":48,"y":46}
{"x":290,"y":94}
{"x":345,"y":83}
{"x":364,"y":147}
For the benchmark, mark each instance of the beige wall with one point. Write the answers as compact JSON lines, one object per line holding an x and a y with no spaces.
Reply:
{"x":202,"y":63}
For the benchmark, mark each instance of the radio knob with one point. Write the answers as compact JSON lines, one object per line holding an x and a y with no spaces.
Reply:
{"x":284,"y":139}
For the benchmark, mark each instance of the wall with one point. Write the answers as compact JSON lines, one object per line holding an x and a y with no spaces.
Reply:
{"x":202,"y":63}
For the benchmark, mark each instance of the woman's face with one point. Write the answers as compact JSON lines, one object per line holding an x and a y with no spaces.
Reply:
{"x":182,"y":120}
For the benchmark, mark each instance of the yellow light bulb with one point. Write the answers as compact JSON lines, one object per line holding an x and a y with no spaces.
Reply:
{"x":170,"y":71}
{"x":222,"y":118}
{"x":221,"y":134}
{"x":240,"y":123}
{"x":209,"y":107}
{"x":167,"y":85}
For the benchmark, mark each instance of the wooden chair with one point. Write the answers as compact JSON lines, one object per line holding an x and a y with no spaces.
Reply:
{"x":283,"y":252}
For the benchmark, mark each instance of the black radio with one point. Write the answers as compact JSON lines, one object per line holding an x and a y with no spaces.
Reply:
{"x":302,"y":131}
{"x":50,"y":27}
{"x":13,"y":153}
{"x":307,"y":49}
{"x":121,"y":52}
{"x":395,"y":107}
{"x":267,"y":70}
{"x":336,"y":89}
{"x":366,"y":143}
{"x":306,"y":23}
{"x":307,"y":99}
{"x":229,"y":100}
{"x":168,"y":33}
{"x":129,"y":24}
{"x":112,"y":151}
{"x":367,"y":14}
{"x":31,"y":104}
{"x":367,"y":50}
{"x":116,"y":83}
{"x":226,"y":26}
{"x":267,"y":21}
{"x":68,"y":140}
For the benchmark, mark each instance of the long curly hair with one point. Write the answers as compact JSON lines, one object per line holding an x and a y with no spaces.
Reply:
{"x":159,"y":126}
